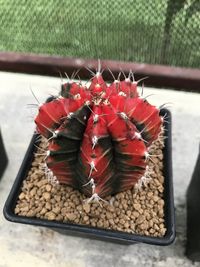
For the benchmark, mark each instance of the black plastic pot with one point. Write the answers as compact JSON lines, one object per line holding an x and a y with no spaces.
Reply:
{"x":93,"y":232}
{"x":3,"y":157}
{"x":193,"y":214}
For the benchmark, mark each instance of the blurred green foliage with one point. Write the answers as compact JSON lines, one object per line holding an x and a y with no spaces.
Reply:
{"x":153,"y":31}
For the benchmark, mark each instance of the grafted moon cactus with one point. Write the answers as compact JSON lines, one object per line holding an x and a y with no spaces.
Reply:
{"x":98,"y":136}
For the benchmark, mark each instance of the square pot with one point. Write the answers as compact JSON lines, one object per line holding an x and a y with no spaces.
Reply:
{"x":3,"y":156}
{"x":94,"y":232}
{"x":193,"y":217}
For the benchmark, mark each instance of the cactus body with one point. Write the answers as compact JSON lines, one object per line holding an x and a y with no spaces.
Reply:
{"x":98,"y":136}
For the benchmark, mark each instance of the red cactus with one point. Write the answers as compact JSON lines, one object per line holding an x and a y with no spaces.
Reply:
{"x":98,"y":136}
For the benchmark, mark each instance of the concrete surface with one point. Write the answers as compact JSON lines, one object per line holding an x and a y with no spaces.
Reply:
{"x":22,"y":245}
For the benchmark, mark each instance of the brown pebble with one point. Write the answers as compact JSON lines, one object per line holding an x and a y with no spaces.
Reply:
{"x":161,"y":189}
{"x":70,"y":216}
{"x":106,"y":224}
{"x":50,"y":215}
{"x":59,"y":217}
{"x":40,"y":183}
{"x":85,"y":218}
{"x":48,"y":206}
{"x":110,"y":208}
{"x":46,"y":195}
{"x":163,"y":231}
{"x":116,"y":204}
{"x":135,"y":214}
{"x":22,"y":196}
{"x":111,"y":221}
{"x":102,"y":216}
{"x":156,"y":227}
{"x":152,"y":231}
{"x":99,"y":224}
{"x":57,"y":198}
{"x":17,"y":210}
{"x":65,"y":209}
{"x":56,"y":210}
{"x":120,"y":196}
{"x":161,"y":225}
{"x":150,"y":194}
{"x":155,"y":198}
{"x":48,"y":187}
{"x":79,"y":208}
{"x":109,"y":215}
{"x":126,"y":225}
{"x":43,"y":211}
{"x":128,"y":212}
{"x":161,"y":202}
{"x":122,"y":221}
{"x":137,"y":206}
{"x":116,"y":220}
{"x":25,"y":209}
{"x":140,"y":219}
{"x":31,"y":213}
{"x":160,"y":211}
{"x":144,"y":225}
{"x":86,"y":207}
{"x":39,"y":192}
{"x":93,"y":224}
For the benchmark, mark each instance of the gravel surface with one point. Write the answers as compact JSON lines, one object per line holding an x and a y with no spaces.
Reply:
{"x":139,"y":210}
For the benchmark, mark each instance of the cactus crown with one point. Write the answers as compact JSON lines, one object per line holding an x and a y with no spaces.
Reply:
{"x":98,"y":135}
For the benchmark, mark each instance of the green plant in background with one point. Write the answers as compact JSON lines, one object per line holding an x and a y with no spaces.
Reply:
{"x":188,"y":9}
{"x":155,"y":31}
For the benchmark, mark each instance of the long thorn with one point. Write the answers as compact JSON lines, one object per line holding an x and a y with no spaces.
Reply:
{"x":102,"y":71}
{"x":75,"y":74}
{"x":40,"y":148}
{"x":90,"y":71}
{"x":132,"y":75}
{"x":61,"y":76}
{"x":142,"y":89}
{"x":51,"y":131}
{"x":163,"y":105}
{"x":67,"y":76}
{"x":144,"y":98}
{"x":99,"y":66}
{"x":40,"y":154}
{"x":142,"y":79}
{"x":31,"y":106}
{"x":91,"y":110}
{"x":118,"y":78}
{"x":129,"y":75}
{"x":111,"y":74}
{"x":35,"y":96}
{"x":123,"y":73}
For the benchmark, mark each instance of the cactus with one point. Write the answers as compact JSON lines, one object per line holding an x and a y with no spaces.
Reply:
{"x":98,"y":135}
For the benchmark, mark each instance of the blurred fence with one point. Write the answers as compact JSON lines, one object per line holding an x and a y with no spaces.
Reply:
{"x":154,"y":31}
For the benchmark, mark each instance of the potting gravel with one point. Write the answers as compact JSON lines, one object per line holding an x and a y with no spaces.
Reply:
{"x":139,"y":210}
